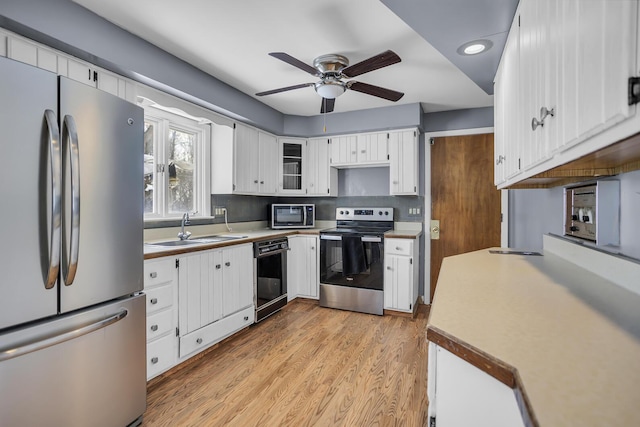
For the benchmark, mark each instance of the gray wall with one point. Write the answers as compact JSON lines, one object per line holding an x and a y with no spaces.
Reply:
{"x":374,"y":119}
{"x":70,"y":28}
{"x":471,"y":118}
{"x":533,"y":213}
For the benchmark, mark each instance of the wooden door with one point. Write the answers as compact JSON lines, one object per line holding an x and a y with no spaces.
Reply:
{"x":463,"y":197}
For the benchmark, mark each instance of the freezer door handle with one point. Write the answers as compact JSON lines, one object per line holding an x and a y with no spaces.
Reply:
{"x":70,"y":133}
{"x":56,"y":197}
{"x":10,"y":353}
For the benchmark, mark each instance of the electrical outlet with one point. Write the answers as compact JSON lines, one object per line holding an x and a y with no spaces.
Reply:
{"x":417,"y":211}
{"x":219,"y":210}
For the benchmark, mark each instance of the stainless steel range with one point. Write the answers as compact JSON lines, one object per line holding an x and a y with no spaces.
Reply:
{"x":352,"y":259}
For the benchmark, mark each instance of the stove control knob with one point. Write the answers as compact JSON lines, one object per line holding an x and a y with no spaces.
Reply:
{"x":283,"y":245}
{"x":379,"y":212}
{"x":386,"y":213}
{"x":341,"y":212}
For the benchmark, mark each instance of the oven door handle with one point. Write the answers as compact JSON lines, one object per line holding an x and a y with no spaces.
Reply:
{"x":266,"y":254}
{"x":330,"y":237}
{"x":370,"y":239}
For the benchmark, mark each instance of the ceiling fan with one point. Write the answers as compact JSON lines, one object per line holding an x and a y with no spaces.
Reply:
{"x":332,"y":69}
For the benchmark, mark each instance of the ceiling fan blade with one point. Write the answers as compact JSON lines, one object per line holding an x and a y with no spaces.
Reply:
{"x":295,"y":62}
{"x":283,"y":89}
{"x":378,"y":91}
{"x":327,"y":105}
{"x":383,"y":59}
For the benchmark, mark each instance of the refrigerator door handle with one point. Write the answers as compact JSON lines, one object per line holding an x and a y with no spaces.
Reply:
{"x":10,"y":353}
{"x":70,"y":133}
{"x":56,"y":195}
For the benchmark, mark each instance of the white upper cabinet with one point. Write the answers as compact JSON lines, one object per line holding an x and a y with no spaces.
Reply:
{"x":321,"y":178}
{"x":373,"y":148}
{"x":507,"y":110}
{"x":254,"y":162}
{"x":365,"y":149}
{"x":32,"y":53}
{"x":562,"y":87}
{"x":403,"y":168}
{"x":268,"y":163}
{"x":292,"y":165}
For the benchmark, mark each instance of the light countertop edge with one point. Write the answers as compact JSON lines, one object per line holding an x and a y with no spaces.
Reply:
{"x":566,"y":340}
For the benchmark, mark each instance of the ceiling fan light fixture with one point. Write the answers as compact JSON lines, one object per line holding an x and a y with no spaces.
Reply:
{"x":330,"y":89}
{"x":475,"y":47}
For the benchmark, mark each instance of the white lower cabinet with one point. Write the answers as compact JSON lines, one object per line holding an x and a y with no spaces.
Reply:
{"x":400,"y":274}
{"x":195,"y":301}
{"x":160,"y":287}
{"x":462,"y":395}
{"x":302,"y":267}
{"x":214,"y":286}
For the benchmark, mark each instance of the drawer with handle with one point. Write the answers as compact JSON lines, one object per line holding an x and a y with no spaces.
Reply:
{"x":398,"y":247}
{"x":210,"y":334}
{"x":158,"y":272}
{"x":161,"y":355}
{"x":159,"y":324}
{"x":159,"y":298}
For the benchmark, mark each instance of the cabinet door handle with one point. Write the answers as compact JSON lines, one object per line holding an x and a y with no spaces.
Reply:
{"x":227,"y":263}
{"x":246,"y":318}
{"x":199,"y":341}
{"x":218,"y":266}
{"x":153,"y":274}
{"x":313,"y":248}
{"x":389,"y":268}
{"x":255,"y":181}
{"x":535,"y":123}
{"x":154,"y":300}
{"x":154,"y":328}
{"x":398,"y":248}
{"x":501,"y":159}
{"x":363,"y":151}
{"x":261,"y":182}
{"x":154,"y":360}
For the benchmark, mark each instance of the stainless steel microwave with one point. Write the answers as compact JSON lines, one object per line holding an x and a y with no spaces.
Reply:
{"x":293,"y":216}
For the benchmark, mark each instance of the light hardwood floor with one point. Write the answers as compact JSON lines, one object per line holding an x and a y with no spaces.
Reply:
{"x":304,"y":366}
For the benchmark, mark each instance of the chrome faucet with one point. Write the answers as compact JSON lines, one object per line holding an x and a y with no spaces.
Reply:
{"x":184,"y":235}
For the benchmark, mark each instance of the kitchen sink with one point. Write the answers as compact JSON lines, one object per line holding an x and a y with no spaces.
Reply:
{"x":214,"y":239}
{"x":175,"y":243}
{"x":196,"y":241}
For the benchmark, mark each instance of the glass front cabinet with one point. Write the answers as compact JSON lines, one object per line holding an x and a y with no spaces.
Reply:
{"x":292,"y":164}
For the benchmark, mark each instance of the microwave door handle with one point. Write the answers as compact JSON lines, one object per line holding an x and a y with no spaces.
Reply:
{"x":304,"y":216}
{"x":56,"y":190}
{"x":70,"y":133}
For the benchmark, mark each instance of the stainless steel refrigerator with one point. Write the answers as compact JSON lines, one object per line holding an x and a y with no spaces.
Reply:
{"x":72,"y":316}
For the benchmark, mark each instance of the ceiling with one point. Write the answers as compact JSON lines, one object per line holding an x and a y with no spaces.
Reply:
{"x":230,"y":40}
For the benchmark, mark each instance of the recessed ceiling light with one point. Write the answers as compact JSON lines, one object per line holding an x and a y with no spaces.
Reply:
{"x":475,"y":47}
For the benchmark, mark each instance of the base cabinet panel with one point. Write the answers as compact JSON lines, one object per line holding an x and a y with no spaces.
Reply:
{"x":462,"y":395}
{"x":206,"y":336}
{"x":400,"y":274}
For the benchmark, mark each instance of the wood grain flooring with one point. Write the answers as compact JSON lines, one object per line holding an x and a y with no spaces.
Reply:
{"x":304,"y":366}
